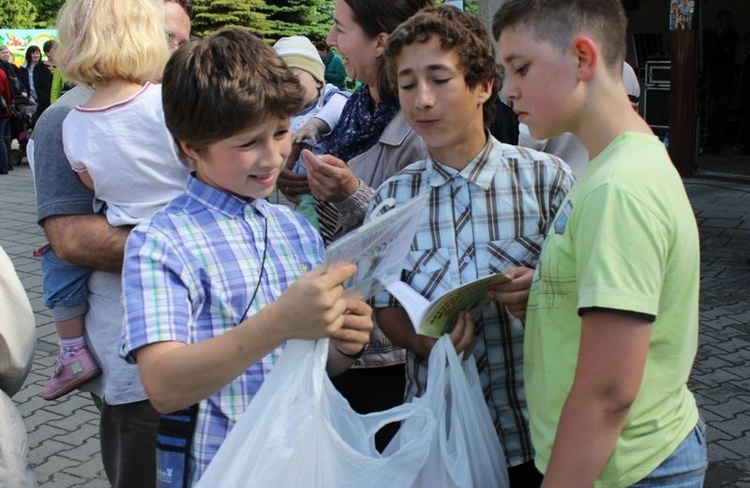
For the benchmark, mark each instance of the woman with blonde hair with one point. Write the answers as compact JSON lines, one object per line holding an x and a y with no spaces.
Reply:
{"x":118,"y":144}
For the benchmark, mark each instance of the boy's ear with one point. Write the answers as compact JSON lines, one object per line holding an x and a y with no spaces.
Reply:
{"x":587,"y":54}
{"x":190,"y":151}
{"x":485,"y":91}
{"x":380,"y":46}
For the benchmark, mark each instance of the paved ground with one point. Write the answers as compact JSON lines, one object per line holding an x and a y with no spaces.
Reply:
{"x":63,"y":435}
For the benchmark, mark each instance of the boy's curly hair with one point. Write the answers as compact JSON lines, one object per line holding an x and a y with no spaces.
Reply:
{"x":454,"y":30}
{"x":218,"y":86}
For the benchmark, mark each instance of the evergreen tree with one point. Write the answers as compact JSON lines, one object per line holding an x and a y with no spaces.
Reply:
{"x":322,"y":20}
{"x":295,"y":18}
{"x":17,"y":14}
{"x":471,"y":6}
{"x":46,"y":17}
{"x":211,"y":15}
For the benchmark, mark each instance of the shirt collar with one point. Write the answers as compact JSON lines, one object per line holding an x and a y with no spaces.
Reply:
{"x":222,"y":201}
{"x":480,"y":170}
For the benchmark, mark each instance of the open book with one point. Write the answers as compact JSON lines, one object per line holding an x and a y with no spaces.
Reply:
{"x":437,"y":317}
{"x":378,"y":248}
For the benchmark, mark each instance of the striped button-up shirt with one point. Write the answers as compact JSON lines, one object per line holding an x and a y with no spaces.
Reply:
{"x":191,"y":273}
{"x":490,"y":215}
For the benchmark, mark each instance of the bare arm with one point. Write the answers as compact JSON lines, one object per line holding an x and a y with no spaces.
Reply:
{"x":87,"y":240}
{"x":176,"y":375}
{"x":396,"y":325}
{"x":611,"y":361}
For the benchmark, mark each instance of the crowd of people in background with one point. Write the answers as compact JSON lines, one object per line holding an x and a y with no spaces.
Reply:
{"x":175,"y":279}
{"x":27,"y":90}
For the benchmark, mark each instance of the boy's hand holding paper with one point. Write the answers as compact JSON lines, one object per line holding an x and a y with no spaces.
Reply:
{"x":514,"y":294}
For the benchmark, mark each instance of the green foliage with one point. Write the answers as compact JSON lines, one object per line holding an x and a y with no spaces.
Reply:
{"x":322,"y":20}
{"x":309,"y":18}
{"x":211,"y":15}
{"x":17,"y":14}
{"x":471,"y":6}
{"x":270,"y":18}
{"x":47,"y":13}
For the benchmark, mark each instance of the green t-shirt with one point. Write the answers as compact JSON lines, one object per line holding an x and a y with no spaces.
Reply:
{"x":625,"y":238}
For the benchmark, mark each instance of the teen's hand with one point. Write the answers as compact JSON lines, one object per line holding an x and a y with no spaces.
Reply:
{"x":462,"y":336}
{"x":514,"y":295}
{"x":355,"y":333}
{"x":330,"y":179}
{"x":313,"y":307}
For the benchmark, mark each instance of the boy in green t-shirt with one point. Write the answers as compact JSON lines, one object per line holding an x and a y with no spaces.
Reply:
{"x":612,"y":322}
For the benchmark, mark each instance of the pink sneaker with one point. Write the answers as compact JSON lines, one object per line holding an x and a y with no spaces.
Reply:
{"x":71,"y":371}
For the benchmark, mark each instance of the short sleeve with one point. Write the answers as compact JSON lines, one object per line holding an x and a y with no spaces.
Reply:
{"x":620,"y":251}
{"x":157,"y":297}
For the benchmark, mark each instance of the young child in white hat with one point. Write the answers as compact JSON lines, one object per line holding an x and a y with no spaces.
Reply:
{"x":323,"y":103}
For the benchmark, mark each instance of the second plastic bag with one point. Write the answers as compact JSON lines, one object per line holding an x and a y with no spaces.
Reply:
{"x":300,"y":432}
{"x":466,"y":452}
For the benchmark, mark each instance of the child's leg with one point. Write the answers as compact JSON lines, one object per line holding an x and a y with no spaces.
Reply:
{"x":65,"y":294}
{"x":70,"y":329}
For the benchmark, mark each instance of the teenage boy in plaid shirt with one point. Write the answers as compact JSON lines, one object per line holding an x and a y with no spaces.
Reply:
{"x":489,"y":207}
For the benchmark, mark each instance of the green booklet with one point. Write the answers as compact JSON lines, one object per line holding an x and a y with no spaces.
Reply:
{"x":437,"y":317}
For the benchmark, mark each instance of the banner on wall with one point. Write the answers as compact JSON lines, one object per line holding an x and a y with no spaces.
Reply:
{"x":18,"y":40}
{"x":681,"y":14}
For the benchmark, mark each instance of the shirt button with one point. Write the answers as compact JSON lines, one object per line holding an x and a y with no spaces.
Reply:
{"x":422,"y":268}
{"x":467,"y":259}
{"x":461,"y":209}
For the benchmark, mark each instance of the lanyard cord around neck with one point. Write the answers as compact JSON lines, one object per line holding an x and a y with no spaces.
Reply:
{"x":262,"y":268}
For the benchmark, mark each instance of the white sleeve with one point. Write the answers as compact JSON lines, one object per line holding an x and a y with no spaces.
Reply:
{"x":70,"y":144}
{"x":331,"y":111}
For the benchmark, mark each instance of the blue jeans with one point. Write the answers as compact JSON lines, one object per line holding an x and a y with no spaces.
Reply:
{"x":64,"y":286}
{"x":685,"y":467}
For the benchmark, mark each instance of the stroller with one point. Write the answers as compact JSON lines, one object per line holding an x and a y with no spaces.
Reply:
{"x":21,"y":125}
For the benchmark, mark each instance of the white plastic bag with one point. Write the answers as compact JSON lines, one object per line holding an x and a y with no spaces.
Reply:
{"x":300,"y":432}
{"x":466,"y":452}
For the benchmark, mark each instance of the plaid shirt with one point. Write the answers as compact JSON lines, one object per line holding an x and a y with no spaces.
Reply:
{"x":492,"y":214}
{"x":189,"y":275}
